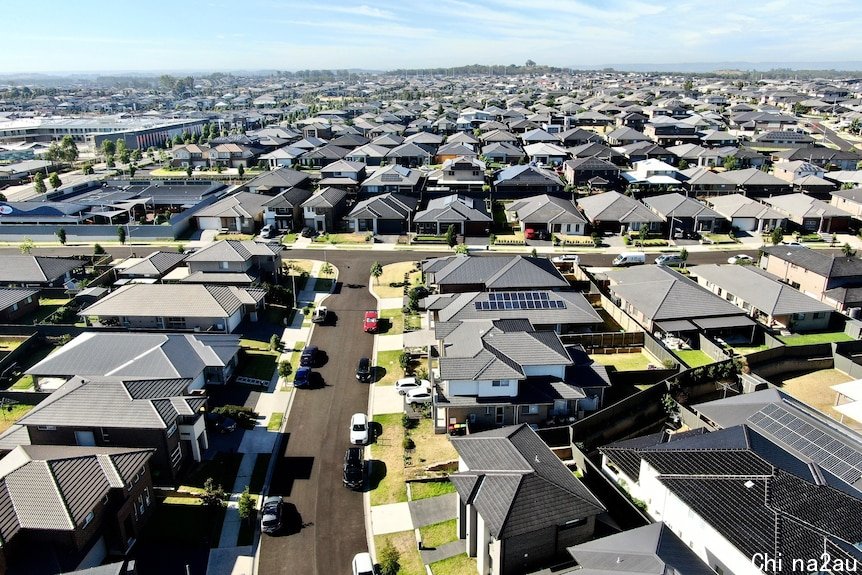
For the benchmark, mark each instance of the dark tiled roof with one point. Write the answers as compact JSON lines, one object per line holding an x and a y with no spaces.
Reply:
{"x":35,"y":269}
{"x":823,"y":264}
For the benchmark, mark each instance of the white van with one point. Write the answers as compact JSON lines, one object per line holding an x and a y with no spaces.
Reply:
{"x":629,"y":259}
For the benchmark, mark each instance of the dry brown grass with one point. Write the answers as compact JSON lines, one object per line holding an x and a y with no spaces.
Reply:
{"x":431,"y":449}
{"x":814,"y":389}
{"x":392,"y":273}
{"x":405,"y":543}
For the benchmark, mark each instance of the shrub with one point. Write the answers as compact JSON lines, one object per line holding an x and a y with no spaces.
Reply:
{"x":390,"y":560}
{"x":627,"y":240}
{"x":274,"y":342}
{"x":244,"y":416}
{"x":408,"y":422}
{"x":98,"y":249}
{"x":284,"y":368}
{"x":404,"y":361}
{"x":408,"y":444}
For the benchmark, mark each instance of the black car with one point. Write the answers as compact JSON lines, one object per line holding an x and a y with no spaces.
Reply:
{"x":308,"y":357}
{"x":220,"y":423}
{"x":363,"y":370}
{"x":354,"y":468}
{"x":308,"y":233}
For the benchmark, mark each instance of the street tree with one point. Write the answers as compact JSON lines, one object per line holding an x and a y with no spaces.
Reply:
{"x":376,"y":271}
{"x":108,"y":148}
{"x":54,"y":180}
{"x":61,"y":236}
{"x":213,"y":494}
{"x":776,"y":236}
{"x":39,"y":183}
{"x":451,"y":238}
{"x":848,"y":251}
{"x":121,"y":234}
{"x":245,"y":505}
{"x":26,"y":246}
{"x":68,"y":149}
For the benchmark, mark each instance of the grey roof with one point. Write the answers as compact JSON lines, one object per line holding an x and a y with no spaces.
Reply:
{"x":392,"y":174}
{"x":288,"y":199}
{"x":232,"y":251}
{"x":526,"y":175}
{"x":108,"y":569}
{"x":11,"y":296}
{"x":454,"y":208}
{"x":739,"y":206}
{"x":753,"y":177}
{"x":35,"y":269}
{"x":154,"y":265}
{"x":575,"y":310}
{"x":279,"y":178}
{"x":615,"y":207}
{"x":139,"y":355}
{"x":112,"y":402}
{"x":327,"y":197}
{"x":679,"y":206}
{"x":760,"y":289}
{"x":55,"y":487}
{"x":852,"y":195}
{"x":804,"y":206}
{"x":496,"y":272}
{"x":517,"y":484}
{"x":388,"y":206}
{"x":174,"y":300}
{"x":229,"y":278}
{"x":661,"y":293}
{"x":823,"y":264}
{"x":547,"y":210}
{"x":240,"y":204}
{"x":652,"y":549}
{"x":736,"y":410}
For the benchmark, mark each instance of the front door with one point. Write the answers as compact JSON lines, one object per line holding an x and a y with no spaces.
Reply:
{"x":500,"y":415}
{"x":319,"y":225}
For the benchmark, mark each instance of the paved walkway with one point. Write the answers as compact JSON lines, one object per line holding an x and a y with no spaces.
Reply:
{"x":451,"y":549}
{"x":386,"y":400}
{"x":390,"y":342}
{"x":390,"y":303}
{"x":230,"y":527}
{"x":231,"y":561}
{"x":390,"y":518}
{"x":433,"y":510}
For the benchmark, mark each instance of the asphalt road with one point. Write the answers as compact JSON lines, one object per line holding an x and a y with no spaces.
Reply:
{"x":831,"y":136}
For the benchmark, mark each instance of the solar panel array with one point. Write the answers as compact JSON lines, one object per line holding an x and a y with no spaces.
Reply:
{"x":519,"y":300}
{"x":834,"y":455}
{"x":390,"y":177}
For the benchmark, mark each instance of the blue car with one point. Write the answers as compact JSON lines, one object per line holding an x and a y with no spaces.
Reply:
{"x":302,"y":377}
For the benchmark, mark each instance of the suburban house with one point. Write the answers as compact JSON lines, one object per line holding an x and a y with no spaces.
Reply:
{"x":468,"y":216}
{"x":152,"y":267}
{"x":458,"y":274}
{"x":593,"y":171}
{"x":559,"y":311}
{"x":158,"y":414}
{"x":37,"y":271}
{"x":624,"y":135}
{"x":835,"y":280}
{"x":461,"y":175}
{"x":683,"y":213}
{"x":200,"y":358}
{"x":67,"y":508}
{"x":231,"y":155}
{"x":275,"y":181}
{"x":368,"y":154}
{"x":653,"y":173}
{"x":393,"y":179}
{"x":193,"y":155}
{"x":578,"y":136}
{"x":757,"y":183}
{"x":614,"y":212}
{"x":595,"y":150}
{"x":256,"y":259}
{"x":387,"y":213}
{"x":661,"y":299}
{"x":809,"y":214}
{"x":15,"y":303}
{"x":503,"y":152}
{"x":323,"y":210}
{"x":453,"y":150}
{"x":747,"y":214}
{"x":546,"y":154}
{"x":342,"y":173}
{"x":519,"y":507}
{"x":409,"y":155}
{"x":285,"y":157}
{"x":549,"y":213}
{"x":782,"y":139}
{"x":826,"y":158}
{"x":284,"y":210}
{"x":778,"y":483}
{"x":792,"y":170}
{"x":848,"y":200}
{"x":239,"y":212}
{"x":700,"y":182}
{"x":527,"y":180}
{"x":764,"y":297}
{"x":177,"y":306}
{"x":323,"y":156}
{"x":652,"y":549}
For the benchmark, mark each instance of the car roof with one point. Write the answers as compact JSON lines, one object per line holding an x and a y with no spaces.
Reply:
{"x":353,"y":453}
{"x":303,"y":370}
{"x":272,"y":499}
{"x":309,"y":348}
{"x":419,"y":391}
{"x":364,"y":361}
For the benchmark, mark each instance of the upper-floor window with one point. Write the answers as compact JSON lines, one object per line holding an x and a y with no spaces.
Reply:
{"x":500,"y":383}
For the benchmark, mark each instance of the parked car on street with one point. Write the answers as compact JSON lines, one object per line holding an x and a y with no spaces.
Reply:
{"x":370,"y":323}
{"x":302,"y":377}
{"x":405,"y":384}
{"x":308,"y":356}
{"x":740,"y":259}
{"x":629,"y":259}
{"x":319,"y":314}
{"x":353,"y":475}
{"x":363,"y":370}
{"x":791,"y":243}
{"x":419,"y":395}
{"x":359,"y":432}
{"x":572,"y":259}
{"x":271,"y":515}
{"x":362,"y":564}
{"x":669,"y":260}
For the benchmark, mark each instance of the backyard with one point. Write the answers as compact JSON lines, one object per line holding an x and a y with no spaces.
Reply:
{"x":9,"y":414}
{"x":626,"y":361}
{"x":693,"y":357}
{"x":815,"y":389}
{"x":810,"y":338}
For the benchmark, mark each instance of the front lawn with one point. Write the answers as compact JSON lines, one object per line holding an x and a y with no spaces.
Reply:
{"x":458,"y":565}
{"x":257,"y":364}
{"x":388,"y":360}
{"x":405,"y":543}
{"x":392,"y":274}
{"x":186,"y":523}
{"x":222,"y":468}
{"x":343,"y":238}
{"x":237,"y":237}
{"x":289,"y":239}
{"x":275,"y":421}
{"x":693,"y":357}
{"x":719,"y":239}
{"x":810,"y":338}
{"x":388,"y":451}
{"x":394,"y":321}
{"x":439,"y":534}
{"x":428,"y":489}
{"x":431,"y":448}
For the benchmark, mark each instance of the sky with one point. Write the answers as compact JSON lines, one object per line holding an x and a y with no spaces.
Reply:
{"x":225,"y":35}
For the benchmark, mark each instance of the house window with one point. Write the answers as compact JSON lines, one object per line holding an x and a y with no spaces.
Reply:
{"x":46,"y":427}
{"x":172,"y":429}
{"x":176,"y":455}
{"x":489,"y":411}
{"x":224,"y":265}
{"x":89,"y":518}
{"x":14,"y":307}
{"x":500,"y":383}
{"x":529,"y":409}
{"x":105,"y":500}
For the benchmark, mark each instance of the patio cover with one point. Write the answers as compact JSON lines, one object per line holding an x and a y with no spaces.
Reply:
{"x":719,"y":322}
{"x":852,"y":390}
{"x":853,"y":410}
{"x":675,"y":325}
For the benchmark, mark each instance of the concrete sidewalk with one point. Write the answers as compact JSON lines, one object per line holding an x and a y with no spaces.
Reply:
{"x":230,"y":527}
{"x":390,"y":518}
{"x":386,"y":400}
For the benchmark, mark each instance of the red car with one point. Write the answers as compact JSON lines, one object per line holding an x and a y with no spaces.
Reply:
{"x":370,"y":324}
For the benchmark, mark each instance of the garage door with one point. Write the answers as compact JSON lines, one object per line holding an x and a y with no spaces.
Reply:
{"x":390,"y":226}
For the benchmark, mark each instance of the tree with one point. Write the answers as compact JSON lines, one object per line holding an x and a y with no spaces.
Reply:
{"x":26,"y":246}
{"x":284,"y":369}
{"x":54,"y":154}
{"x":213,"y":495}
{"x":121,"y":234}
{"x":451,"y":237}
{"x":274,"y":342}
{"x":776,"y":235}
{"x":848,"y":251}
{"x":462,"y":249}
{"x":108,"y":148}
{"x":125,"y":156}
{"x":730,"y":163}
{"x":688,"y":85}
{"x":376,"y":271}
{"x":109,"y":161}
{"x":245,"y":505}
{"x":120,"y":148}
{"x":132,"y":169}
{"x":189,"y":171}
{"x":530,"y":64}
{"x":39,"y":183}
{"x":683,"y":164}
{"x":534,"y":253}
{"x":61,"y":236}
{"x":390,"y":559}
{"x":326,"y":269}
{"x":68,"y":149}
{"x":87,"y":169}
{"x":54,"y":180}
{"x":683,"y":255}
{"x":137,"y":155}
{"x":240,"y":170}
{"x":98,"y":249}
